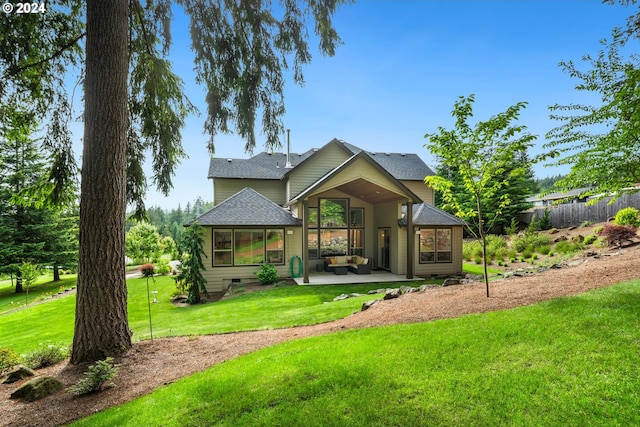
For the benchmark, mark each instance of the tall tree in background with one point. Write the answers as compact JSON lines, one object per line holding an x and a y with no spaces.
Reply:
{"x":135,"y":104}
{"x":31,"y":231}
{"x":601,"y":143}
{"x":482,"y":155}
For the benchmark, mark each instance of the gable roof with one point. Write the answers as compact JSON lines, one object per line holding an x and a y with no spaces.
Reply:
{"x":425,"y":214}
{"x":346,"y":164}
{"x":272,"y":165}
{"x":248,"y":207}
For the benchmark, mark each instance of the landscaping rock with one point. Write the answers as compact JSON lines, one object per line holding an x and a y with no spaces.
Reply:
{"x":19,"y":373}
{"x":451,"y":282}
{"x":560,"y":239}
{"x":37,"y":388}
{"x":347,"y":296}
{"x":423,"y":288}
{"x":391,"y":294}
{"x":377,"y":291}
{"x":369,"y":304}
{"x":407,"y":289}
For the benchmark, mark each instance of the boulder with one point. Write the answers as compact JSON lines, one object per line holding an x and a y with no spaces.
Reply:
{"x":391,"y":294}
{"x":37,"y":388}
{"x":451,"y":282}
{"x":19,"y":373}
{"x":347,"y":296}
{"x":369,"y":304}
{"x":377,"y":291}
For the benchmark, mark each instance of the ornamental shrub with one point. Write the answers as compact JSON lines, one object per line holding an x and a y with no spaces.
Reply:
{"x":147,"y":270}
{"x":618,"y":234}
{"x":47,"y":354}
{"x":96,"y":377}
{"x":8,"y":359}
{"x":267,"y":274}
{"x":627,"y":216}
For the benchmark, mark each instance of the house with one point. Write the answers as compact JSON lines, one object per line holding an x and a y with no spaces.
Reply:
{"x":577,"y":195}
{"x":303,"y":212}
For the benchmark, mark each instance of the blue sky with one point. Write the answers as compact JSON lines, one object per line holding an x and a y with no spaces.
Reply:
{"x":402,"y":66}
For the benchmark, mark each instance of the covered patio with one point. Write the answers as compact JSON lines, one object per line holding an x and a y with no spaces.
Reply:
{"x":376,"y":276}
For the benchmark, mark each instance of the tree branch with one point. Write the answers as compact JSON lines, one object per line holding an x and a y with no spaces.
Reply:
{"x":13,"y":71}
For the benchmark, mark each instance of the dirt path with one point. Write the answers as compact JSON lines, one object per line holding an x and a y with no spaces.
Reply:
{"x":150,"y":365}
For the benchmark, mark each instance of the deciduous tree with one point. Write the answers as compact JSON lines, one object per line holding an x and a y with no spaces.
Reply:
{"x":601,"y":143}
{"x":482,"y":155}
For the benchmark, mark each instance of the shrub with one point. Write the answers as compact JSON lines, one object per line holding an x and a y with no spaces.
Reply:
{"x":147,"y":270}
{"x":597,"y":230}
{"x":627,"y":216}
{"x":543,"y":250}
{"x":163,"y":268}
{"x":534,"y":240}
{"x":267,"y":274}
{"x":586,"y":223}
{"x":544,"y":223}
{"x":512,"y":228}
{"x":478,"y":259}
{"x":96,"y":377}
{"x":568,"y":246}
{"x":8,"y":359}
{"x":590,"y":239}
{"x":527,"y":253}
{"x":46,"y":354}
{"x":618,"y":234}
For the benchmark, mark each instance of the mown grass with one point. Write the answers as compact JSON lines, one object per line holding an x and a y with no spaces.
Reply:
{"x":53,"y":321}
{"x":43,"y":288}
{"x":571,"y":361}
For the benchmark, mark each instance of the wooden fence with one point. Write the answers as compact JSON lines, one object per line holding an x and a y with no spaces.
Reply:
{"x":574,"y":214}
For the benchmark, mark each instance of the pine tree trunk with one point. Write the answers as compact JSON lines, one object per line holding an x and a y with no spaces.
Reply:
{"x":101,"y":324}
{"x":19,"y":288}
{"x":56,"y":273}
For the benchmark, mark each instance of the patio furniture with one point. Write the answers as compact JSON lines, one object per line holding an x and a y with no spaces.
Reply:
{"x":355,"y":264}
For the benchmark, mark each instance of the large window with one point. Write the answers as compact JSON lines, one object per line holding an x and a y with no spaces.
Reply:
{"x":334,"y":229}
{"x":248,"y":247}
{"x":435,"y":245}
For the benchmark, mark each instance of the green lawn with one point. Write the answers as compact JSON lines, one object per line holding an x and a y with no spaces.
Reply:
{"x":43,"y":289}
{"x":571,"y":362}
{"x":288,"y":306}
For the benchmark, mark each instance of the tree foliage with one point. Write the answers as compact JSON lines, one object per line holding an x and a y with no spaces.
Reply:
{"x":135,"y":104}
{"x":143,"y":242}
{"x":31,"y":230}
{"x":191,"y":265}
{"x":600,"y":143}
{"x":483,"y":157}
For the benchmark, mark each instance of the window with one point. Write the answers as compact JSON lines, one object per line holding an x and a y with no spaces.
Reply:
{"x":333,"y":212}
{"x":248,"y":247}
{"x":275,"y":246}
{"x":435,"y":245}
{"x":222,"y":249}
{"x":333,"y":242}
{"x":334,"y":229}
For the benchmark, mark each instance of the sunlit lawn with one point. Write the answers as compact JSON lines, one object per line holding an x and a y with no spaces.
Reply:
{"x":566,"y":362}
{"x":287,"y":306}
{"x":42,"y":289}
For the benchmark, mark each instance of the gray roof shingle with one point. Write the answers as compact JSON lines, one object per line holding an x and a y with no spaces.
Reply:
{"x":272,"y":165}
{"x":427,"y":215}
{"x":248,"y":207}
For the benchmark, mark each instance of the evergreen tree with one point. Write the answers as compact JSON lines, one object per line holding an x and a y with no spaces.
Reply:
{"x":32,"y":232}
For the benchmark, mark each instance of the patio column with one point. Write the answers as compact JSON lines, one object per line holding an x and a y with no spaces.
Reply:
{"x":305,"y":240}
{"x":410,"y":239}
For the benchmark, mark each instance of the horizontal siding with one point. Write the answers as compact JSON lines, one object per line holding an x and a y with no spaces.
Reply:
{"x":420,"y":189}
{"x":272,"y":189}
{"x":218,"y":278}
{"x":315,"y":168}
